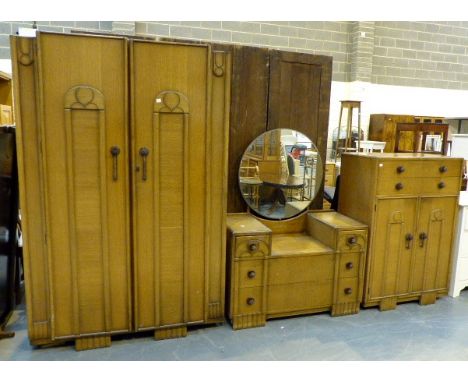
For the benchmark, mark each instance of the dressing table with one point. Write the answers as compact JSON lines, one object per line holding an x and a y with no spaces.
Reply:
{"x":296,"y":263}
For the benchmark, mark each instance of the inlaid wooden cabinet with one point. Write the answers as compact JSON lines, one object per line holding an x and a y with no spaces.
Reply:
{"x":122,"y":158}
{"x":409,"y":202}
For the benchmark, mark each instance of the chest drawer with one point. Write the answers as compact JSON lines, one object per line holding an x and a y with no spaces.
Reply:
{"x":349,"y":265}
{"x":352,"y":241}
{"x":249,"y":300}
{"x":251,"y":246}
{"x":300,"y":269}
{"x":395,"y":187}
{"x":419,"y":169}
{"x":440,"y":186}
{"x":249,"y":273}
{"x":348,"y":290}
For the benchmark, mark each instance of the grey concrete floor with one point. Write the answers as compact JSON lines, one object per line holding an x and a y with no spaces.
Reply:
{"x":410,"y":332}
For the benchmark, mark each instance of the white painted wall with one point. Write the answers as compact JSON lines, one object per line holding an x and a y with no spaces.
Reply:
{"x":5,"y":66}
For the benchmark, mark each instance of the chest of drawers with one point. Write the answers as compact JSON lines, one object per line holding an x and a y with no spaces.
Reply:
{"x":459,"y":279}
{"x":312,"y":264}
{"x":409,"y":202}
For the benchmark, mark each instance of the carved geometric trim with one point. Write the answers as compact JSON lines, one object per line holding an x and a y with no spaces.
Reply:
{"x":219,"y":59}
{"x":25,"y":50}
{"x":83,"y":97}
{"x":171,"y":101}
{"x":397,"y":217}
{"x":437,"y":215}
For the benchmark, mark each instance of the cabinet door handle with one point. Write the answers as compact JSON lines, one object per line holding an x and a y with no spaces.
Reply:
{"x":349,"y":265}
{"x":144,"y":152}
{"x":400,"y":169}
{"x":115,"y":151}
{"x":408,"y":238}
{"x":348,"y":291}
{"x":251,"y":274}
{"x":422,"y":237}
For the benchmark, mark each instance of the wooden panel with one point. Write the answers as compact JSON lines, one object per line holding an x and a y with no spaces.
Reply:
{"x":169,"y":84}
{"x":31,"y":178}
{"x":299,"y":97}
{"x":432,"y":256}
{"x":390,"y":256}
{"x":248,"y":115}
{"x":298,"y":269}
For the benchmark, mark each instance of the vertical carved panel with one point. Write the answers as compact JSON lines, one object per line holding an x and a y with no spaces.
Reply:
{"x":171,"y":203}
{"x":216,"y":184}
{"x":88,"y":211}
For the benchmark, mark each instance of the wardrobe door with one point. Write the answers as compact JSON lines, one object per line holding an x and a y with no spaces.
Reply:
{"x":83,"y":113}
{"x":169,"y":127}
{"x":392,"y":248}
{"x":433,"y":243}
{"x":299,"y":98}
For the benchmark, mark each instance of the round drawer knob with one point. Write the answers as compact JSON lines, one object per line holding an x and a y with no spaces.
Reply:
{"x":399,"y":186}
{"x":348,"y":291}
{"x":253,"y":247}
{"x":349,"y":265}
{"x":352,"y":240}
{"x":443,"y":169}
{"x":251,"y":274}
{"x":400,"y":169}
{"x":441,"y":185}
{"x":250,"y":301}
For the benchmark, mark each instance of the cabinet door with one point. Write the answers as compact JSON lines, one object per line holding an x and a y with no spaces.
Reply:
{"x":299,"y":96}
{"x":391,"y":252}
{"x":169,"y":106}
{"x":83,"y":116}
{"x":433,"y":243}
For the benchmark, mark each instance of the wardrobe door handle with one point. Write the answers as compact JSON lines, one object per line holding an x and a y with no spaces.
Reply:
{"x":251,"y":274}
{"x":115,"y":151}
{"x":422,"y":237}
{"x":408,"y":238}
{"x":144,"y":152}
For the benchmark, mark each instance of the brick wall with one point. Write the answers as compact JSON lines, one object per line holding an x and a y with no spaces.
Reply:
{"x":317,"y":37}
{"x":416,"y":53}
{"x":421,"y":54}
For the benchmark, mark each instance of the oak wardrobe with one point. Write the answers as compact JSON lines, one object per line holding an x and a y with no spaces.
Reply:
{"x":122,"y":163}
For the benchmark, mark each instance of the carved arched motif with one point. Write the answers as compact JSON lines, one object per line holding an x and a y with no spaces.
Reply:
{"x":83,"y":97}
{"x":437,"y":215}
{"x":397,"y":217}
{"x":25,"y":51}
{"x":171,"y":101}
{"x":218,"y":63}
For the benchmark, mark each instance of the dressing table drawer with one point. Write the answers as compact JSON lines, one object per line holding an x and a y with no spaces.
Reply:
{"x":349,"y":265}
{"x":249,"y":300}
{"x":250,"y":273}
{"x":252,"y":246}
{"x":347,"y":290}
{"x":352,"y":241}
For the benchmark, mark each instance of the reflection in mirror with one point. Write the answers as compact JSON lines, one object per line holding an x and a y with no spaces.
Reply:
{"x":280,"y":173}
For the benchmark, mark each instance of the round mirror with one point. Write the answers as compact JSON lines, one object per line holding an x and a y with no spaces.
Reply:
{"x":280,"y":174}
